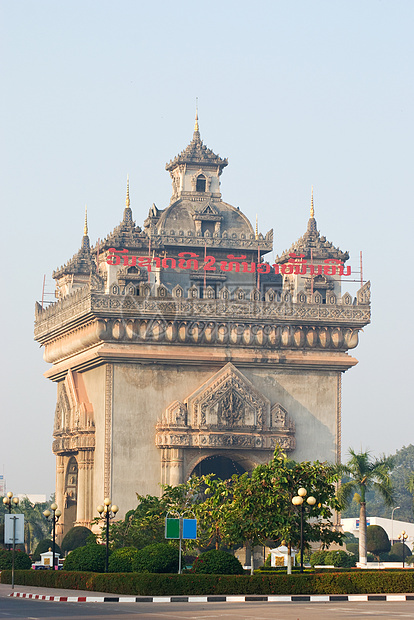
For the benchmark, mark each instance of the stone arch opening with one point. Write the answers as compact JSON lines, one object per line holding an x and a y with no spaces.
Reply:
{"x":221,"y":466}
{"x":71,"y":491}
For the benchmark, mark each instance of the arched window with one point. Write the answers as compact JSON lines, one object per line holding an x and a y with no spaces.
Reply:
{"x":201,"y":183}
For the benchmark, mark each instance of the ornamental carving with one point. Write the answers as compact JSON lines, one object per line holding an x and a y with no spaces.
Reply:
{"x":226,"y":412}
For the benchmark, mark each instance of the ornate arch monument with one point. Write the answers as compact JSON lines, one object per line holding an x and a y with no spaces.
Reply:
{"x":177,"y":346}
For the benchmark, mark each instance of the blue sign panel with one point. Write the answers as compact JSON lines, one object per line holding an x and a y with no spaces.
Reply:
{"x":189,"y":528}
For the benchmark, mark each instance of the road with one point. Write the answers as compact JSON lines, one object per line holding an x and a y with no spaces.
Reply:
{"x":38,"y":610}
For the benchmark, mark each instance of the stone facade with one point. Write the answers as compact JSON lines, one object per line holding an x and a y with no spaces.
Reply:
{"x":176,"y":347}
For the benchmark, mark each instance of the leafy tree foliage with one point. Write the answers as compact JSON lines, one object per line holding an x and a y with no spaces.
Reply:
{"x":402,"y":481}
{"x":377,"y":540}
{"x":217,"y":562}
{"x":75,"y":537}
{"x":89,"y":558}
{"x":363,"y":473}
{"x":43,"y":547}
{"x":340,"y":558}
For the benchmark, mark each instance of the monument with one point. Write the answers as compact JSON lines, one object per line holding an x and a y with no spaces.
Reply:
{"x":176,"y":348}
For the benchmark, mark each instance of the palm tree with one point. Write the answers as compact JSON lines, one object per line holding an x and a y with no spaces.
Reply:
{"x":362,"y":473}
{"x":410,"y":485}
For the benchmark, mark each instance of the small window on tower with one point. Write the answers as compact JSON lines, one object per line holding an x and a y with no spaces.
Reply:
{"x":201,"y":183}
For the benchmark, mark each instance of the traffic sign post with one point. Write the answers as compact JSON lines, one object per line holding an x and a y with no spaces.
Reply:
{"x":13,"y":534}
{"x":179,"y":528}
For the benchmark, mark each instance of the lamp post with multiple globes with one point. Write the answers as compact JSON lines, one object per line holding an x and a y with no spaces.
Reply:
{"x":107,"y":512}
{"x":54,"y":518}
{"x":9,"y":501}
{"x":403,"y":537}
{"x":299,"y":500}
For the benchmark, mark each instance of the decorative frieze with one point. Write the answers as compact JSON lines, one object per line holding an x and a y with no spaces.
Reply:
{"x":226,"y":412}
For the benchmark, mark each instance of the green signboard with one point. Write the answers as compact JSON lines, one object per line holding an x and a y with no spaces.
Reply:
{"x":172,"y":528}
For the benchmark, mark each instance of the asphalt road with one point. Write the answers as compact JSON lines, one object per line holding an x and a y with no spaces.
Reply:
{"x":38,"y":610}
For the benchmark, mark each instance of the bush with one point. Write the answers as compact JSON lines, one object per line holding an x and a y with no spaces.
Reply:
{"x":318,"y":558}
{"x":21,"y":560}
{"x":389,"y":557}
{"x":377,"y":540}
{"x":76,"y":537}
{"x":340,"y":558}
{"x":88,"y":558}
{"x":217,"y":562}
{"x":410,"y":559}
{"x":43,"y":547}
{"x":397,"y":549}
{"x":353,"y":548}
{"x":121,"y":560}
{"x":156,"y":558}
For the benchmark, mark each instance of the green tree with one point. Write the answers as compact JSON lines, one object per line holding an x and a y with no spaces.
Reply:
{"x":75,"y":537}
{"x":259,"y":508}
{"x":36,"y":527}
{"x":363,"y":473}
{"x":377,"y":541}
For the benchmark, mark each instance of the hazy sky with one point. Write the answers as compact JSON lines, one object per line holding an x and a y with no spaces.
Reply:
{"x":294,"y":93}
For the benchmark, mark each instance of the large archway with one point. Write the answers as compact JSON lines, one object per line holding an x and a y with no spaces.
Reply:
{"x":221,"y":466}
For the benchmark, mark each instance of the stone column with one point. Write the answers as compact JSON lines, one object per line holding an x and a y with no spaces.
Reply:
{"x":85,"y":510}
{"x":59,"y":495}
{"x":175,"y":466}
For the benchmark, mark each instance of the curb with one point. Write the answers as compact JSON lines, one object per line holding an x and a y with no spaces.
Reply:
{"x":219,"y":599}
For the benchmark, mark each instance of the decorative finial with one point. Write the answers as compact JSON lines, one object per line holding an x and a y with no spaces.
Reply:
{"x":312,"y":210}
{"x":196,"y":128}
{"x":127,"y":201}
{"x":257,"y":228}
{"x":85,"y":228}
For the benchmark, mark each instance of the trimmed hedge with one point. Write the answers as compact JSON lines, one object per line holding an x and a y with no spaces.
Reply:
{"x":76,"y":537}
{"x":156,"y":558}
{"x":121,"y":560}
{"x":21,"y":560}
{"x":89,"y":558}
{"x":217,"y":562}
{"x":146,"y":584}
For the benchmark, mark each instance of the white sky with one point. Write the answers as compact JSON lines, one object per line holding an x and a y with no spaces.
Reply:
{"x":293,"y":93}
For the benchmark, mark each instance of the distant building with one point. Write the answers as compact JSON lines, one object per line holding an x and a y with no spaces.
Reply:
{"x":177,"y":349}
{"x":392,"y":527}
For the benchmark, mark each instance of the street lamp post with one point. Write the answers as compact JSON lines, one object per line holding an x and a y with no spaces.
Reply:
{"x":10,"y":501}
{"x":403,"y":537}
{"x":299,"y":500}
{"x":54,"y":518}
{"x":107,"y":512}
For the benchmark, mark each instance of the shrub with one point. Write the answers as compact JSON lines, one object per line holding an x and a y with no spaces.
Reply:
{"x":89,"y":558}
{"x":156,"y":558}
{"x":216,"y":562}
{"x":389,"y":557}
{"x":76,"y":537}
{"x":121,"y":560}
{"x":43,"y":547}
{"x":340,"y":558}
{"x":397,"y":549}
{"x":353,"y":548}
{"x":21,"y":560}
{"x":377,"y":540}
{"x":318,"y":558}
{"x":410,"y":559}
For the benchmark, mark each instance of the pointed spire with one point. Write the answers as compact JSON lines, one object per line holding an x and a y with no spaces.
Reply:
{"x":127,"y":211}
{"x":257,"y":229}
{"x":127,"y":201}
{"x":312,"y":210}
{"x":196,"y":135}
{"x":312,"y":225}
{"x":85,"y":238}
